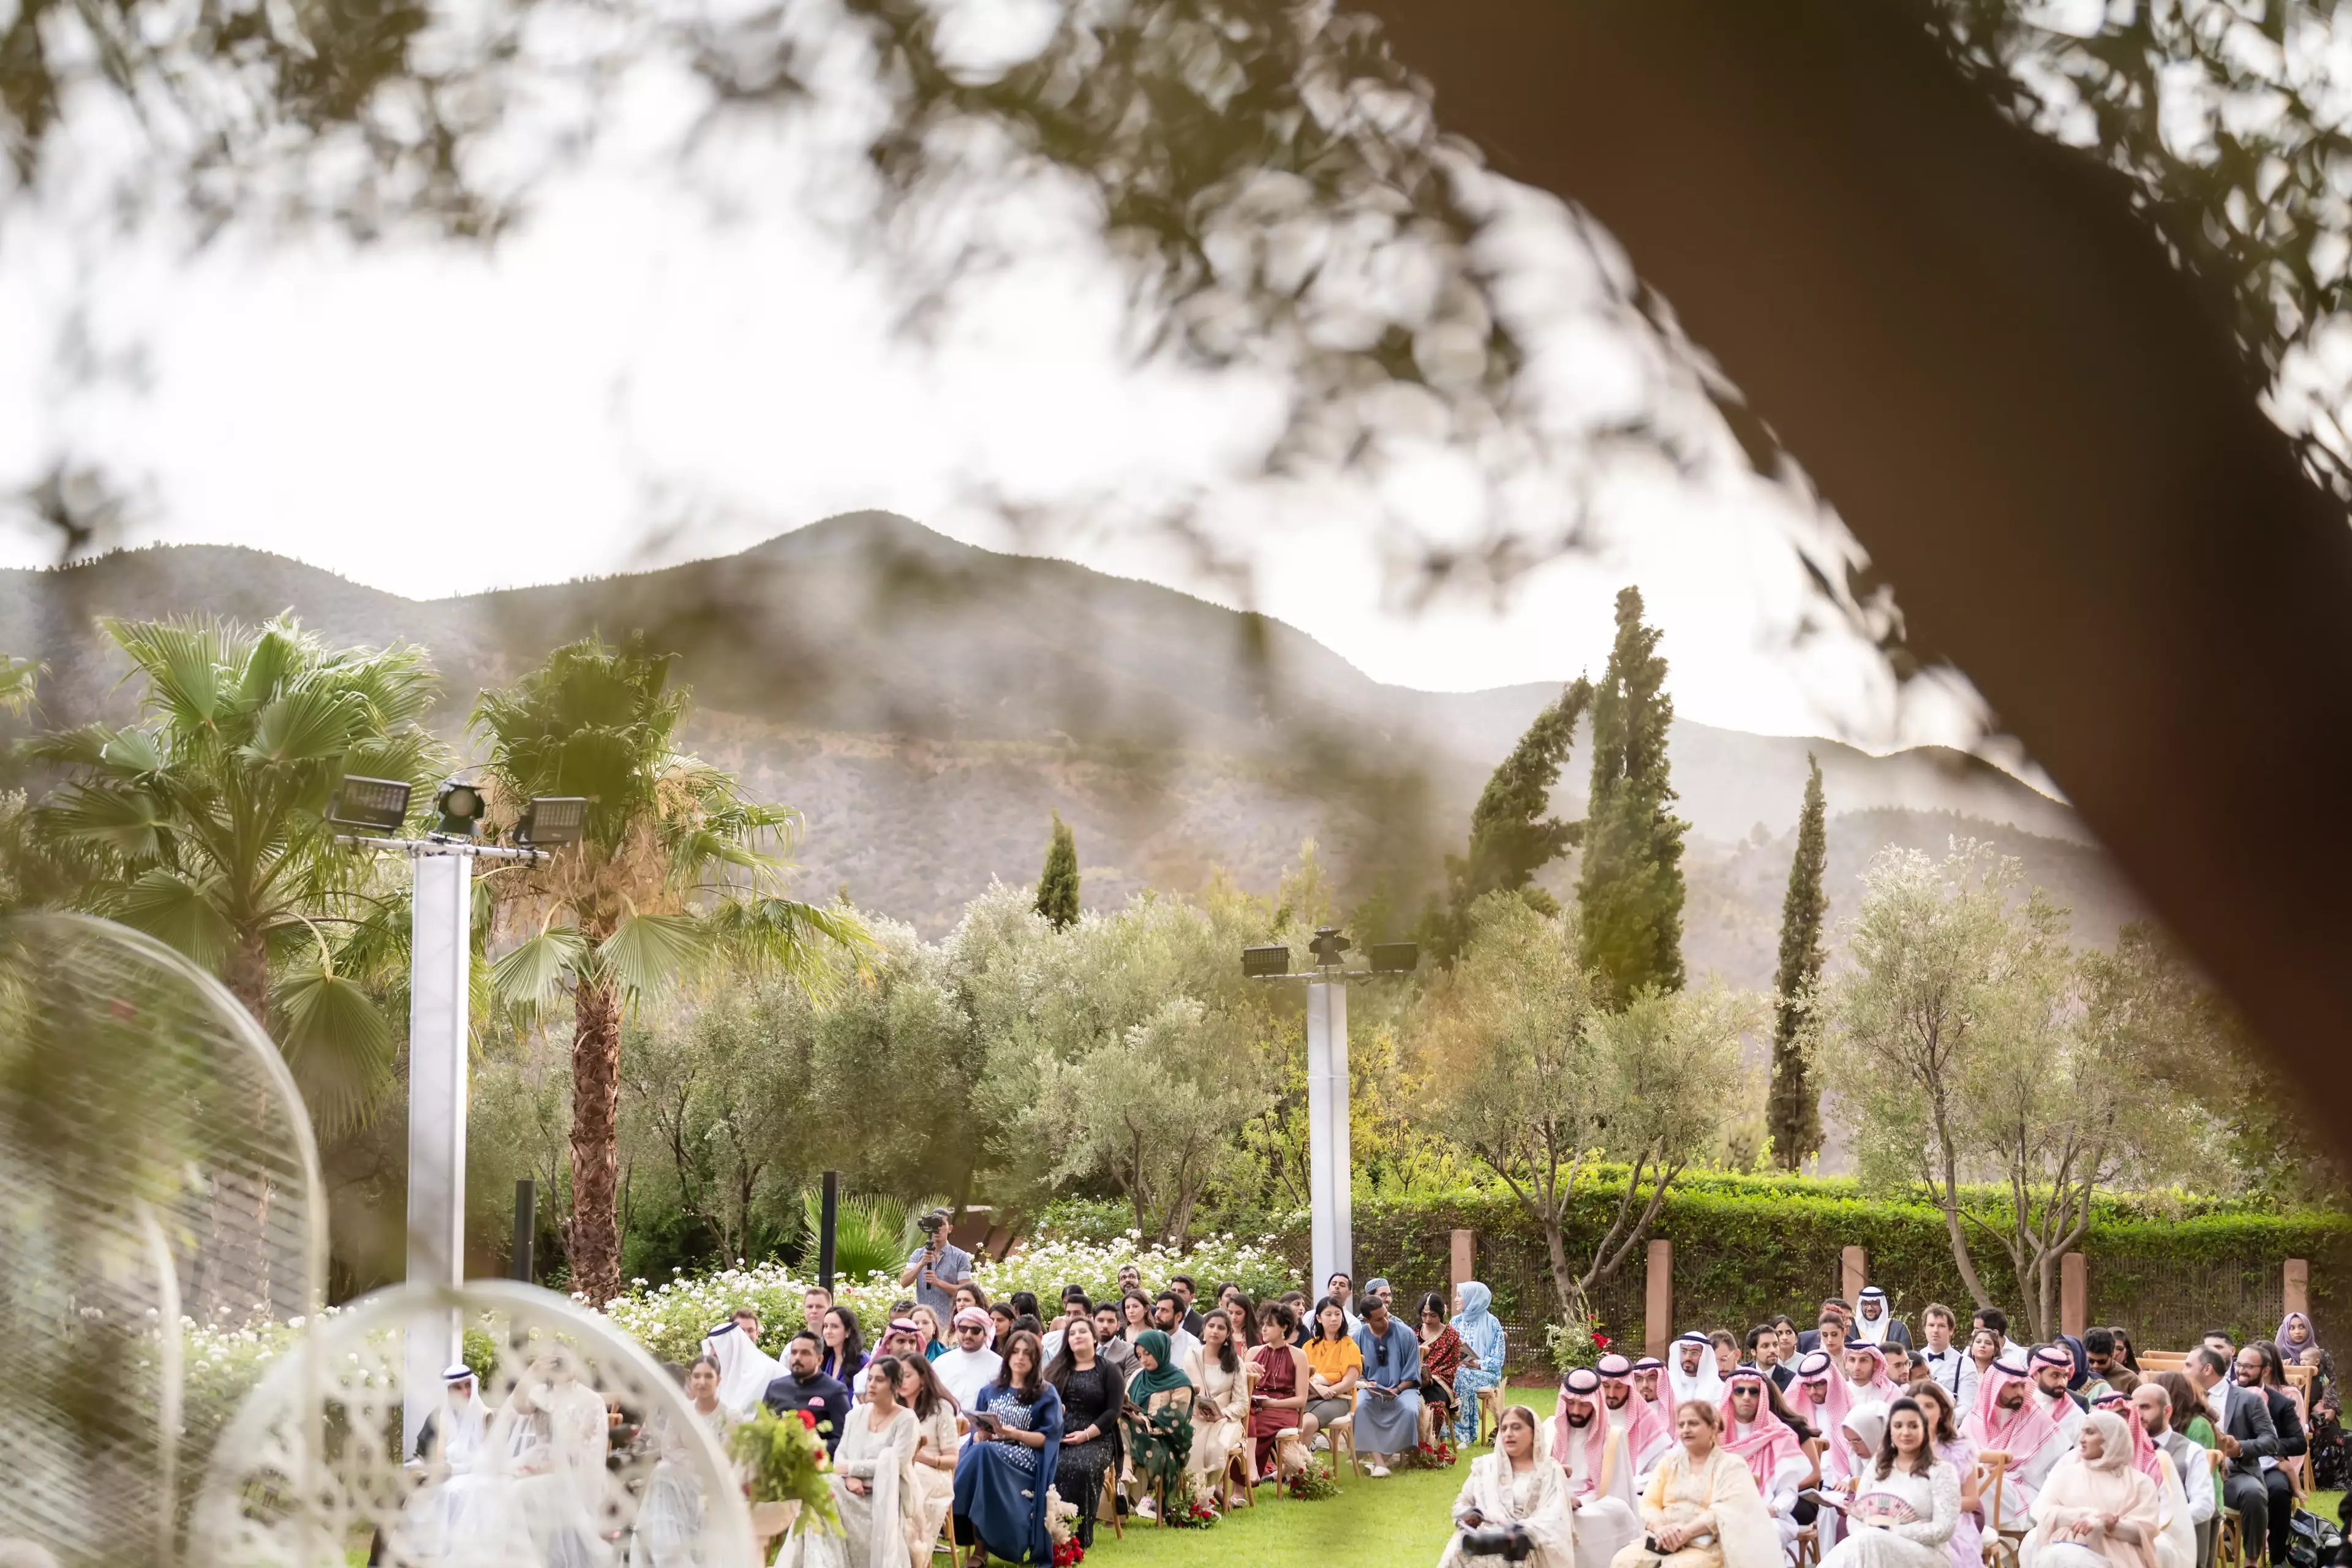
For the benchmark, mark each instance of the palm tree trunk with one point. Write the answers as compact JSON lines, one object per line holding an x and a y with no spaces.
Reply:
{"x":594,"y":1240}
{"x":247,"y":976}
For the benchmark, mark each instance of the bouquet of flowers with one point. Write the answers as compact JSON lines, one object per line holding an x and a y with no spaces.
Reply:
{"x":1313,"y":1483}
{"x":1574,"y":1344}
{"x":781,"y":1459}
{"x":1436,"y":1456}
{"x":1062,"y":1528}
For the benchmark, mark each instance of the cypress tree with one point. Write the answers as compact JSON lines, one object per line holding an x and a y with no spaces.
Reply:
{"x":1793,"y":1112}
{"x":1630,"y":889}
{"x":1510,"y":838}
{"x":1057,"y":886}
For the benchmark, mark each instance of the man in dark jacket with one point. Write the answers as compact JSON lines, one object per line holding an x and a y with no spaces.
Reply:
{"x":803,"y":1388}
{"x":2261,"y":1373}
{"x":2241,"y":1419}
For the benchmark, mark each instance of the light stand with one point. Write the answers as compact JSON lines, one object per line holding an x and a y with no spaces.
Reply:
{"x":1330,"y":1173}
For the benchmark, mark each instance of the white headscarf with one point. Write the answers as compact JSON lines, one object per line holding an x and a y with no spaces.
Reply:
{"x":1871,"y":1331}
{"x":459,"y":1427}
{"x":744,"y":1369}
{"x":1705,"y":1386}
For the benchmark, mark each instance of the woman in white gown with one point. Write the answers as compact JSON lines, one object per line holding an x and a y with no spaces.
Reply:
{"x":873,"y":1484}
{"x":669,"y":1531}
{"x":2095,"y":1510}
{"x":1220,"y":1404}
{"x":1907,"y":1501}
{"x":1702,"y":1508}
{"x":933,"y":1467}
{"x":1518,"y":1485}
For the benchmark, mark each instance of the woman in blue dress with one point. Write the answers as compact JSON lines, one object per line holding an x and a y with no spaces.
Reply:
{"x":1482,"y":1366}
{"x":1016,"y":1443}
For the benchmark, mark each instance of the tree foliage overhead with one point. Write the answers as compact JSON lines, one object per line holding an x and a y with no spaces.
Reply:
{"x":1793,"y":1111}
{"x":1630,"y":890}
{"x":1511,"y":837}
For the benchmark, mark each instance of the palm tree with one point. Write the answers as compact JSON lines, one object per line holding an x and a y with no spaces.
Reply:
{"x":676,"y":869}
{"x":203,"y":824}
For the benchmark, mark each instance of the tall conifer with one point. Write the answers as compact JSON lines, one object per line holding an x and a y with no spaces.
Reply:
{"x":1057,"y":886}
{"x":1793,"y":1112}
{"x":1630,"y":889}
{"x":1510,"y":838}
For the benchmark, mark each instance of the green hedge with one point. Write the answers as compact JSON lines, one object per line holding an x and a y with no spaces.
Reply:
{"x":2167,"y":1265}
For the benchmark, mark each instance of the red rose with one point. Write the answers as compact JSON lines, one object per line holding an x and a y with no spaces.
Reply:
{"x":807,"y":1420}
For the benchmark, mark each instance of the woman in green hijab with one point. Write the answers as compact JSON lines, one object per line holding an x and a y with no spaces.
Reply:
{"x":1158,"y":1417}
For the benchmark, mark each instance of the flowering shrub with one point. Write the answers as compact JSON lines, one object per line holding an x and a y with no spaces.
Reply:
{"x":671,"y":1320}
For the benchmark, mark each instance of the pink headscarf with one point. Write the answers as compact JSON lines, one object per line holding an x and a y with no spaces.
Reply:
{"x":2145,"y":1459}
{"x":1645,"y":1424}
{"x":1828,"y":1416}
{"x":1880,"y":1387}
{"x":1766,"y":1443}
{"x":2018,"y":1432}
{"x":1585,"y":1384}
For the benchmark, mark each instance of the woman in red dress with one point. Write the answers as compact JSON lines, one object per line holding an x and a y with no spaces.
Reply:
{"x":1278,"y":1391}
{"x":1441,"y":1351}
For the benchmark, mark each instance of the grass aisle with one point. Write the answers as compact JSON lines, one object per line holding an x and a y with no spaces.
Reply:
{"x":1402,"y":1522}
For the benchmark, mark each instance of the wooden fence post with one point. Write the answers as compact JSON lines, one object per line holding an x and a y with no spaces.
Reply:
{"x":2073,"y":1295}
{"x":1466,"y":1256}
{"x":2297,"y":1283}
{"x":1658,"y":1324}
{"x":1854,"y":1273}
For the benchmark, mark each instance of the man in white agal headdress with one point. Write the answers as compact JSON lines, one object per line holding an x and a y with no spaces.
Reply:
{"x":1874,"y":1324}
{"x":744,"y":1369}
{"x":449,"y":1450}
{"x":1592,"y":1449}
{"x":1691,"y":1373}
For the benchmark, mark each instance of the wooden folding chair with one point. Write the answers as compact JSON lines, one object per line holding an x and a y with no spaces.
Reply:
{"x":1107,"y":1506}
{"x":1343,"y":1432}
{"x":1490,"y":1412}
{"x":1238,"y":1473}
{"x":1805,"y":1552}
{"x":2000,"y":1546}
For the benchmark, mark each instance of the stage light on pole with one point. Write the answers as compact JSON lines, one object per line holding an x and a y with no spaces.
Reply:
{"x":553,"y":819}
{"x":1327,"y":945}
{"x":1259,"y":962}
{"x":1394,"y":957}
{"x":460,"y":807}
{"x":379,"y":806}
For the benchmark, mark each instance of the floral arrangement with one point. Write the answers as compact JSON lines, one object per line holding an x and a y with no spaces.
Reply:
{"x":783,"y":1459}
{"x":1062,"y":1529}
{"x":1190,"y":1512}
{"x":1574,"y":1344}
{"x":671,"y":1320}
{"x":1314,"y":1482}
{"x":1437,"y":1455}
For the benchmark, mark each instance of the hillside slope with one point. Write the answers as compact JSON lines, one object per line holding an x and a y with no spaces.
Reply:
{"x":926,"y":703}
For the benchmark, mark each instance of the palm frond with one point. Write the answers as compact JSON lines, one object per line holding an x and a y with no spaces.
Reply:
{"x":19,"y":679}
{"x":338,"y":1043}
{"x":533,"y":972}
{"x":799,"y":939}
{"x":182,"y":662}
{"x":178,"y":910}
{"x":126,"y":819}
{"x":83,"y":746}
{"x":649,"y":954}
{"x":309,"y":724}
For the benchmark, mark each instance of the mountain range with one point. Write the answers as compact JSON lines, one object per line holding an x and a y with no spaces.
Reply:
{"x":927,"y":703}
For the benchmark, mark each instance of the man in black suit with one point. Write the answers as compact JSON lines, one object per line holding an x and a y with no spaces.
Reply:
{"x":2242,"y":1417}
{"x":805,"y":1390}
{"x":2259,"y":1372}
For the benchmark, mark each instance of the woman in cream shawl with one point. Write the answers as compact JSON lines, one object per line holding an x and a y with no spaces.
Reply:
{"x":1515,"y":1485}
{"x":1702,"y":1506}
{"x":873,"y":1484}
{"x":2095,"y":1510}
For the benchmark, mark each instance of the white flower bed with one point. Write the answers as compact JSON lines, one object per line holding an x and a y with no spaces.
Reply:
{"x":671,"y":1320}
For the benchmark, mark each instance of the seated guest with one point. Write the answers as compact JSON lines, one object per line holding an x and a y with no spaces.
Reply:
{"x":1772,"y":1448}
{"x":1831,"y":1337}
{"x":1007,"y":1468}
{"x":2175,"y":1532}
{"x":1169,"y":1315}
{"x":1002,"y":1321}
{"x":1955,"y":1450}
{"x":1646,"y":1373}
{"x":1907,"y":1502}
{"x":744,"y":1369}
{"x":1874,"y":1324}
{"x":1159,"y":1415}
{"x":2095,"y":1510}
{"x":1388,"y":1399}
{"x":2101,"y":1360}
{"x":1764,"y":1352}
{"x":1811,"y":1339}
{"x":1701,"y":1509}
{"x":1335,"y":1365}
{"x":1996,"y":1319}
{"x":1111,"y":1344}
{"x":1278,"y":1388}
{"x":815,"y":1301}
{"x":1866,"y":1375}
{"x":1442,"y":1354}
{"x":966,"y":1371}
{"x":1092,"y":1395}
{"x":1690,"y":1372}
{"x":1852,"y":1450}
{"x":1517,"y":1488}
{"x":2009,"y":1423}
{"x":1822,"y":1395}
{"x":937,"y":1447}
{"x":1647,"y":1432}
{"x":2053,"y":1369}
{"x":1599,"y":1475}
{"x":872,"y":1483}
{"x":1219,"y":1402}
{"x":2192,"y":1473}
{"x":803,"y":1387}
{"x":1482,"y":1362}
{"x":2259,"y":1369}
{"x":934,"y":1331}
{"x":1074,"y":1305}
{"x":1727,"y":1354}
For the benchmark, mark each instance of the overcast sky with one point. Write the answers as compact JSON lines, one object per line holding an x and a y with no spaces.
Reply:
{"x":678,"y":357}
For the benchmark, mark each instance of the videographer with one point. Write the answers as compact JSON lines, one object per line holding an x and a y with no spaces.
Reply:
{"x":1514,"y":1505}
{"x":937,"y":1266}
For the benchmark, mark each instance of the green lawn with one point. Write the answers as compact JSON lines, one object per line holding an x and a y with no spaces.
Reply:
{"x":1402,"y":1522}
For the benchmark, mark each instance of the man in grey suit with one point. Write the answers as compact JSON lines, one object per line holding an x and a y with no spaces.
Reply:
{"x":2242,"y":1417}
